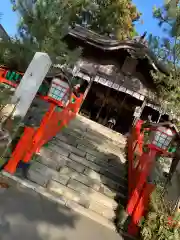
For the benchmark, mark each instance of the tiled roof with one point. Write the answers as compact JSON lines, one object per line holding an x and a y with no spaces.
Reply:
{"x":138,"y":49}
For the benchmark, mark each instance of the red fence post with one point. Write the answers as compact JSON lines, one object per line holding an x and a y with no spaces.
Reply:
{"x":33,"y":139}
{"x":130,"y":167}
{"x":147,"y":160}
{"x":20,"y":150}
{"x":39,"y":134}
{"x":140,"y":209}
{"x":135,"y":142}
{"x":138,"y":188}
{"x":51,"y":124}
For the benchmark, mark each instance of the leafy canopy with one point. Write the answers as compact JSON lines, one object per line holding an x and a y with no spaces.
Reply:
{"x":109,"y":17}
{"x":167,"y":49}
{"x":43,"y":25}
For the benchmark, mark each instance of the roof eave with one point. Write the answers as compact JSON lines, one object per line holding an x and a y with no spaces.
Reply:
{"x":108,"y":44}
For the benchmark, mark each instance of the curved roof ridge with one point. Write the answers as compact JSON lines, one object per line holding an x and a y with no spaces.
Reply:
{"x":108,"y":44}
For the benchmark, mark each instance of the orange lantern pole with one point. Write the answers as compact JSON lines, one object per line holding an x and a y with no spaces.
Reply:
{"x":159,"y":141}
{"x":52,"y":122}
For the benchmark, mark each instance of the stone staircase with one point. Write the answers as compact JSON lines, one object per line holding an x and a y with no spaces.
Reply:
{"x":84,"y":166}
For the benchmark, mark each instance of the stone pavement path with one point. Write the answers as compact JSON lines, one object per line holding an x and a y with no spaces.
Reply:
{"x":24,"y":214}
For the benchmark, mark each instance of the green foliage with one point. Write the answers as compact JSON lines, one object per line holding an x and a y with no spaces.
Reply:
{"x":16,"y":54}
{"x":5,"y":94}
{"x":169,"y":91}
{"x":105,"y":17}
{"x":109,"y":17}
{"x":169,"y":17}
{"x":156,"y":224}
{"x":167,"y":49}
{"x":42,"y":27}
{"x":43,"y":24}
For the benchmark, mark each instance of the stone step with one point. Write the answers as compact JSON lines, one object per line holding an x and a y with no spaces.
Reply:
{"x":95,"y":139}
{"x":68,"y":193}
{"x":103,"y":165}
{"x":118,"y":176}
{"x":112,"y":172}
{"x":91,"y":139}
{"x":43,"y":192}
{"x":103,"y":207}
{"x":77,"y":171}
{"x":66,"y":137}
{"x":51,"y":158}
{"x":75,"y":182}
{"x":84,"y":167}
{"x":91,"y":214}
{"x":92,"y":194}
{"x":117,"y":186}
{"x":103,"y":210}
{"x":68,"y":147}
{"x":102,"y":159}
{"x":86,"y":125}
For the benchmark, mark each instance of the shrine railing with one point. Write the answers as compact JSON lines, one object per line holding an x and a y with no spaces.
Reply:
{"x":142,"y":156}
{"x":33,"y":139}
{"x":60,"y":113}
{"x":140,"y":166}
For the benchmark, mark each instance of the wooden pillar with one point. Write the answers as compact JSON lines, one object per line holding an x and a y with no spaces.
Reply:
{"x":92,"y":78}
{"x":138,"y":116}
{"x":104,"y":102}
{"x":160,"y":115}
{"x":88,"y":88}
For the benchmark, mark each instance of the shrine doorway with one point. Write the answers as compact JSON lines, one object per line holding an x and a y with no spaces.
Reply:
{"x":102,"y":103}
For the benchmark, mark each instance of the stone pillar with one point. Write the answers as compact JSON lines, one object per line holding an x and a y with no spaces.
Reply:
{"x":30,"y":83}
{"x":22,"y":99}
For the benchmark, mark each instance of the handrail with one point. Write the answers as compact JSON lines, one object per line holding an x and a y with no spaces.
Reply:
{"x":140,"y":188}
{"x":140,"y":165}
{"x":34,"y":138}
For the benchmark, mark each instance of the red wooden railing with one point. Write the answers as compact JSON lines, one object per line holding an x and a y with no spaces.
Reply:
{"x":140,"y":166}
{"x":33,"y":139}
{"x":135,"y":150}
{"x":56,"y":118}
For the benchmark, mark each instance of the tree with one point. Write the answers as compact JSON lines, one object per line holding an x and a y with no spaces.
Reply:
{"x":167,"y":49}
{"x":43,"y":25}
{"x":108,"y":17}
{"x":103,"y":16}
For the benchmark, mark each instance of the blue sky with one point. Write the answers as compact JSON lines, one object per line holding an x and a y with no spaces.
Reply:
{"x":9,"y":19}
{"x":145,"y":7}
